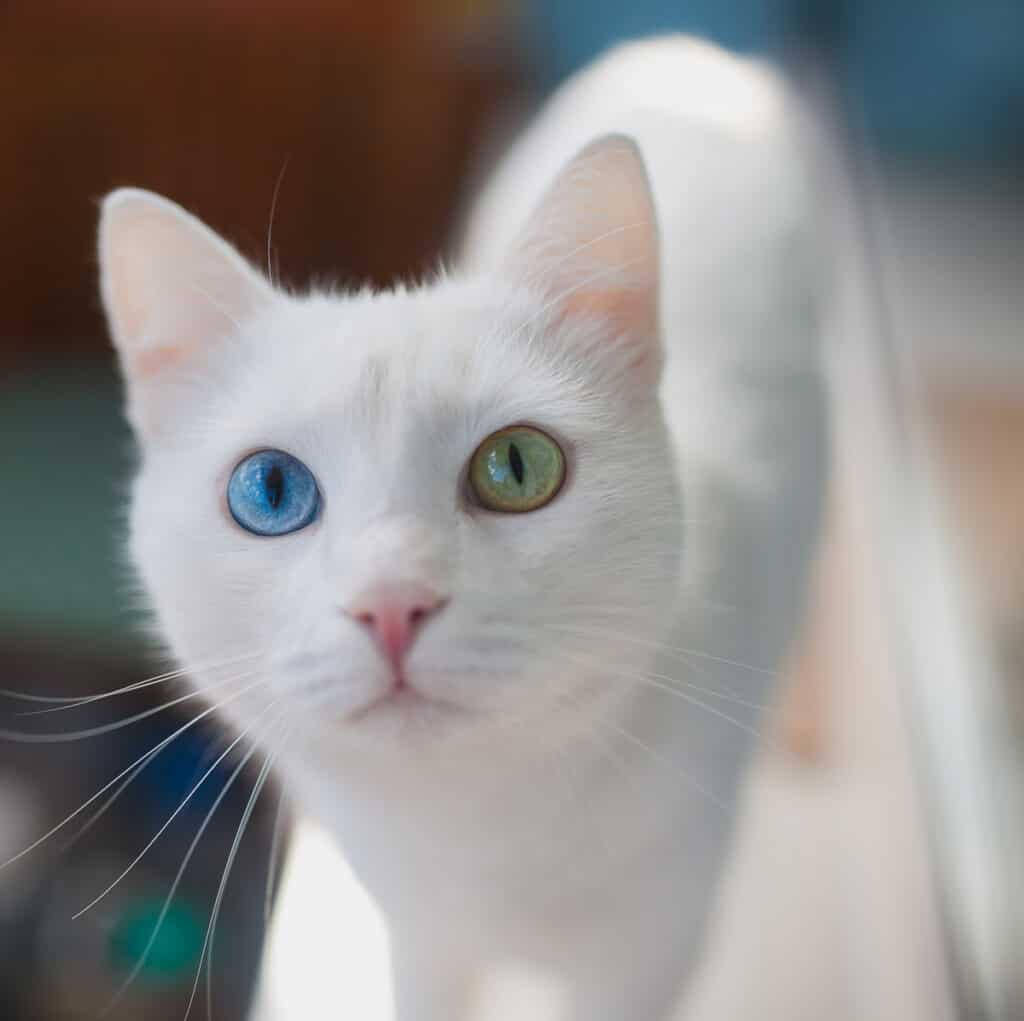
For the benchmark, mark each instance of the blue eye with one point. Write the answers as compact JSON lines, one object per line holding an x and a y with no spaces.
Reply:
{"x":272,"y":493}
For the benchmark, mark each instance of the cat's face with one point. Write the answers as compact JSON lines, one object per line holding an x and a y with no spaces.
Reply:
{"x":320,"y":507}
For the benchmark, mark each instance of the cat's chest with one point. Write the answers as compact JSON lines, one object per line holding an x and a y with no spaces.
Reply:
{"x":562,"y":841}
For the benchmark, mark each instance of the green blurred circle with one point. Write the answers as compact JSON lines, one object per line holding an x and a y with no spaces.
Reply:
{"x":175,"y":948}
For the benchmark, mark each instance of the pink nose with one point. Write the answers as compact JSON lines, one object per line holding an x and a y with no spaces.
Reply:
{"x":394,"y":615}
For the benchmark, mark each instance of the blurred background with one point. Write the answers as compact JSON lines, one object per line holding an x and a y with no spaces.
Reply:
{"x":866,"y":853}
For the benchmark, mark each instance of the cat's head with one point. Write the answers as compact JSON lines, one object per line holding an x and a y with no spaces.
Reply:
{"x":392,"y":522}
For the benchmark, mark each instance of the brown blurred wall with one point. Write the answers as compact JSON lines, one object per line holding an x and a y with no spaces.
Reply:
{"x":375,"y":107}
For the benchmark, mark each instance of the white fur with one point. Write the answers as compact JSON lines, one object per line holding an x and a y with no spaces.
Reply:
{"x":572,"y":815}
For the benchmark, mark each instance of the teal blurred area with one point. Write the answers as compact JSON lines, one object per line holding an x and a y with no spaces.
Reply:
{"x":65,"y":454}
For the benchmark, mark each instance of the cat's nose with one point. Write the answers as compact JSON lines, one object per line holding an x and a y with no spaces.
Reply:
{"x":394,"y":615}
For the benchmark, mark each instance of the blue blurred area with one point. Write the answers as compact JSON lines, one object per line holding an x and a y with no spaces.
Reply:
{"x":939,"y":77}
{"x":570,"y":33}
{"x":173,"y":774}
{"x":935,"y":79}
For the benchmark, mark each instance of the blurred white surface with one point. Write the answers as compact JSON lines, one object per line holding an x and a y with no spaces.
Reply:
{"x":327,"y":953}
{"x":20,"y":824}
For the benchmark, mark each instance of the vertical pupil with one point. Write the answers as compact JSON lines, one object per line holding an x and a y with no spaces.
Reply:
{"x":515,"y":460}
{"x":274,"y":487}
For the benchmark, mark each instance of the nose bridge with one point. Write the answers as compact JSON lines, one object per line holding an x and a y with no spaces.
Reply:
{"x":395,"y":523}
{"x":399,"y":548}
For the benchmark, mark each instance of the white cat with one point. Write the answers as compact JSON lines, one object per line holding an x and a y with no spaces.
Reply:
{"x":487,"y":564}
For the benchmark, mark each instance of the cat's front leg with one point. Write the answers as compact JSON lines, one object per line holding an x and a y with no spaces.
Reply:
{"x":635,"y":960}
{"x":654,"y":996}
{"x":620,"y":987}
{"x":429,"y":983}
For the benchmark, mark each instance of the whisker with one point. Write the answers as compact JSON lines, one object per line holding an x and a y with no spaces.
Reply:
{"x":120,"y":776}
{"x":648,"y":675}
{"x":270,"y":220}
{"x":170,"y":675}
{"x":174,"y":815}
{"x":74,"y":700}
{"x":25,"y":696}
{"x":26,"y":737}
{"x":662,"y":646}
{"x":105,"y":807}
{"x":276,"y":842}
{"x":674,"y":766}
{"x":144,"y":956}
{"x":211,"y":931}
{"x":523,"y":633}
{"x":687,"y":697}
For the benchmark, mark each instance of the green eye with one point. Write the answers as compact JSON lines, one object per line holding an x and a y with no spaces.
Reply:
{"x":517,"y":469}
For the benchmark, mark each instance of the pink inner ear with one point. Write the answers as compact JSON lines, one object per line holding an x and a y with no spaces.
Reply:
{"x":627,"y":309}
{"x":130,"y":320}
{"x":630,"y":315}
{"x":152,"y":362}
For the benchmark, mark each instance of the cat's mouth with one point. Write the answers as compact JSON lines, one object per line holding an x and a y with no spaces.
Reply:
{"x":404,"y":699}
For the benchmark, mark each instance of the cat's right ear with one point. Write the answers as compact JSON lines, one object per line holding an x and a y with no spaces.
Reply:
{"x":591,"y":247}
{"x":172,"y":290}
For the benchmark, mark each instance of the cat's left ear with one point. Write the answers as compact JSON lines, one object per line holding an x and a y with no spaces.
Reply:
{"x":173,"y":292}
{"x":591,"y":246}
